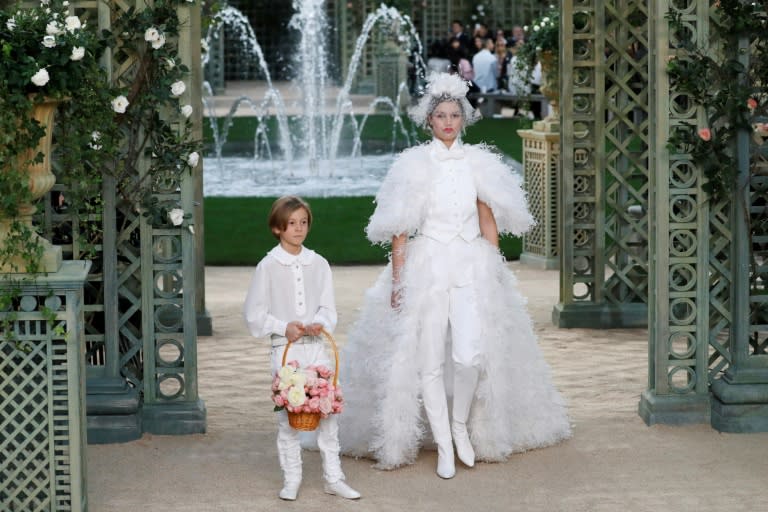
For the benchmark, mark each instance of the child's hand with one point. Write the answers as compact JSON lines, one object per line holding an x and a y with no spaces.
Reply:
{"x":313,"y":329}
{"x":294,"y":330}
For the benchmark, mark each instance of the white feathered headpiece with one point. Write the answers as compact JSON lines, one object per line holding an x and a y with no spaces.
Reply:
{"x":443,"y":87}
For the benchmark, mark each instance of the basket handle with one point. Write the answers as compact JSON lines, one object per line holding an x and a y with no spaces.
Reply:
{"x":330,"y":339}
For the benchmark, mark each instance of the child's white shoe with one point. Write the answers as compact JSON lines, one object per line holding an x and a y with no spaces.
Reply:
{"x":341,"y":489}
{"x":289,"y":491}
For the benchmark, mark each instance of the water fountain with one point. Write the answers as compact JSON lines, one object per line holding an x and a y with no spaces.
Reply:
{"x":309,"y":161}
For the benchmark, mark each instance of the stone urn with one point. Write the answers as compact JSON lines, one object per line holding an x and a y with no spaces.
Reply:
{"x":40,"y":181}
{"x":550,"y":88}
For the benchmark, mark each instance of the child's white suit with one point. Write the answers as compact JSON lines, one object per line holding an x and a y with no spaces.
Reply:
{"x":287,"y":287}
{"x":455,"y":286}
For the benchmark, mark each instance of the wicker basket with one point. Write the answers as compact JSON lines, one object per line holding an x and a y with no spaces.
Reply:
{"x":308,"y":421}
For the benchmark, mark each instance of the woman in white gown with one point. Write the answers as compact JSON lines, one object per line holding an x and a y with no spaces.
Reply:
{"x":445,"y":323}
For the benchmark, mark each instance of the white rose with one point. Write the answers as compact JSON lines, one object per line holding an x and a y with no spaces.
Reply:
{"x":65,"y":3}
{"x":176,"y":216}
{"x":41,"y":77}
{"x":187,"y":110}
{"x":49,"y":41}
{"x":178,"y":88}
{"x":204,"y":45}
{"x":169,"y":63}
{"x":151,"y":34}
{"x":78,"y":52}
{"x":72,"y":23}
{"x":45,"y":2}
{"x":119,"y":104}
{"x":53,"y":28}
{"x":159,"y":42}
{"x":10,"y":24}
{"x":95,"y":138}
{"x":296,"y":396}
{"x":193,"y":158}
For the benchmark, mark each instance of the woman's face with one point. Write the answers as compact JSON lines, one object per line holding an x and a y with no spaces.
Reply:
{"x":446,"y":122}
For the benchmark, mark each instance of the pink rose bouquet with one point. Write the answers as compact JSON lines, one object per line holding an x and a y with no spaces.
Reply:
{"x":310,"y":389}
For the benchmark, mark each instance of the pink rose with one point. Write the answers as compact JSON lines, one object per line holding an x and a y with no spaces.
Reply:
{"x":325,"y":405}
{"x":278,"y":400}
{"x":705,"y":134}
{"x":314,"y":392}
{"x":752,"y":103}
{"x":314,"y":403}
{"x":276,"y":383}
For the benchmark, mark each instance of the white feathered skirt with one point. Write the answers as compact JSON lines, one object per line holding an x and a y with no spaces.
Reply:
{"x":516,"y":407}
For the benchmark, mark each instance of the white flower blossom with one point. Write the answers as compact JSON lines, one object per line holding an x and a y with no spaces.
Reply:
{"x":10,"y":24}
{"x":45,"y":2}
{"x":176,"y":216}
{"x":53,"y":28}
{"x":72,"y":23}
{"x":193,"y":158}
{"x":49,"y":41}
{"x":151,"y":34}
{"x":204,"y":45}
{"x":78,"y":52}
{"x":41,"y":77}
{"x":65,"y":3}
{"x":178,"y":88}
{"x":159,"y":42}
{"x":296,"y":396}
{"x":119,"y":104}
{"x":187,"y":110}
{"x":95,"y":138}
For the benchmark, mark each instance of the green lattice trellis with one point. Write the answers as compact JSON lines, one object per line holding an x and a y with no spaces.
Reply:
{"x":140,"y":303}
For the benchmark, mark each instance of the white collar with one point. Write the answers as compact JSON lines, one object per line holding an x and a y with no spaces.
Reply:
{"x":305,"y":257}
{"x":442,"y":153}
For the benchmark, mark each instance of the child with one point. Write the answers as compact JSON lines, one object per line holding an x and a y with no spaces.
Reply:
{"x":291,"y":298}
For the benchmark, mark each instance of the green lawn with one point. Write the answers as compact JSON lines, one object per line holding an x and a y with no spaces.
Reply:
{"x":236,"y":232}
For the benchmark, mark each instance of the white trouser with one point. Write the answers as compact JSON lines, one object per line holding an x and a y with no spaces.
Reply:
{"x":289,"y":449}
{"x":456,"y":307}
{"x":308,"y":351}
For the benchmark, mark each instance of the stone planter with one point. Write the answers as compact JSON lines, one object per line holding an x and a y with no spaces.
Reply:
{"x":41,"y":180}
{"x":550,"y":87}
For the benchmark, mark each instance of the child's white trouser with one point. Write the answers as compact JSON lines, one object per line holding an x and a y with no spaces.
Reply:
{"x":455,"y":307}
{"x":308,"y":351}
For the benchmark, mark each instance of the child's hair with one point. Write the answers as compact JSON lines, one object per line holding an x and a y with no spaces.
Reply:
{"x":282,"y":210}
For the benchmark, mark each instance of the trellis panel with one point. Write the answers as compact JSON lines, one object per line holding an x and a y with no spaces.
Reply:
{"x":605,"y":122}
{"x":142,"y":371}
{"x":42,"y":394}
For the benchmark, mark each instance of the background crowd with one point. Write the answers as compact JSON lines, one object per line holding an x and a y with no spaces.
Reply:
{"x":487,"y":60}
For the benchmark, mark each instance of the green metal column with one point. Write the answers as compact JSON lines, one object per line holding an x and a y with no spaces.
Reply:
{"x":740,"y":395}
{"x":169,"y":319}
{"x":679,"y":323}
{"x":604,"y":185}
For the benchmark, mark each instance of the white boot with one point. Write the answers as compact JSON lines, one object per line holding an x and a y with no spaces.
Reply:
{"x":463,"y":446}
{"x":465,"y":384}
{"x":446,"y":468}
{"x":290,"y":491}
{"x":289,"y":453}
{"x":341,"y":489}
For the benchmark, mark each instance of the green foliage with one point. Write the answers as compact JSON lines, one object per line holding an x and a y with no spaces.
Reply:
{"x":730,"y":94}
{"x":543,"y":35}
{"x":103,"y":128}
